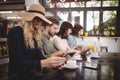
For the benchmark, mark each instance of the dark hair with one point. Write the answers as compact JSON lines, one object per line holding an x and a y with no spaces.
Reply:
{"x":52,"y":19}
{"x":76,"y":29}
{"x":64,"y":27}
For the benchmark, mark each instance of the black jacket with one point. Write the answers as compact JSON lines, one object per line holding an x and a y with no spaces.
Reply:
{"x":22,"y":59}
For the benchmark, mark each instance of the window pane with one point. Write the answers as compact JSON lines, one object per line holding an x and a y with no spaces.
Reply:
{"x":110,"y":3}
{"x":109,"y":22}
{"x":63,"y":15}
{"x":73,"y":16}
{"x":77,"y":4}
{"x":63,"y":5}
{"x":53,"y":4}
{"x":93,"y":4}
{"x":92,"y":22}
{"x":77,"y":17}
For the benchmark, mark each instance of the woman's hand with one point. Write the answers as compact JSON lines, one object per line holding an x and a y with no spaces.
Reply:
{"x":52,"y":62}
{"x":59,"y":53}
{"x":84,"y":50}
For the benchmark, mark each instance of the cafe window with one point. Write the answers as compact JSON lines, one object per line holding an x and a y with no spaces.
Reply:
{"x":109,"y":23}
{"x":92,"y":15}
{"x":70,"y":4}
{"x":92,"y":22}
{"x":63,"y":5}
{"x":77,"y":17}
{"x":71,"y":16}
{"x":77,"y":4}
{"x":63,"y":15}
{"x":93,"y":3}
{"x":110,"y":3}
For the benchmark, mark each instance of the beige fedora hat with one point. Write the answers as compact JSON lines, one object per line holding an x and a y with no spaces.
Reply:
{"x":35,"y":10}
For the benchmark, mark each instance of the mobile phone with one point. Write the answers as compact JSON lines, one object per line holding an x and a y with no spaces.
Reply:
{"x":70,"y":53}
{"x":90,"y":65}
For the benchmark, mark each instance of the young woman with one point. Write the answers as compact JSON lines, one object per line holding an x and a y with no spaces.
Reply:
{"x":24,"y":42}
{"x":77,"y":31}
{"x":60,"y":40}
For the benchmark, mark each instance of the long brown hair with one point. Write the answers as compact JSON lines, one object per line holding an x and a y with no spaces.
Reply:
{"x":76,"y":29}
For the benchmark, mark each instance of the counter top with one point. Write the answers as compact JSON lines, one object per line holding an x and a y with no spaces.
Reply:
{"x":97,"y":69}
{"x":3,"y":39}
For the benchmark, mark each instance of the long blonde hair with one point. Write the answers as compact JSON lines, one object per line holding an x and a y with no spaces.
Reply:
{"x":30,"y":34}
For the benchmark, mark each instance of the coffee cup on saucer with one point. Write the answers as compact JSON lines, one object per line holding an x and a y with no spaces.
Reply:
{"x":71,"y":63}
{"x":77,"y":57}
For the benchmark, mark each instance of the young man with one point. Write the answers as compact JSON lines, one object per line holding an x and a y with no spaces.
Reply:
{"x":47,"y":45}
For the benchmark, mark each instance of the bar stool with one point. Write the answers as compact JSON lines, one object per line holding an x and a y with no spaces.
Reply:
{"x":104,"y":48}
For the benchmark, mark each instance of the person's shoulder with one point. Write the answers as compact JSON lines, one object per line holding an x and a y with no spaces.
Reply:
{"x":56,"y":37}
{"x":71,"y":36}
{"x":16,"y":29}
{"x":44,"y":36}
{"x":15,"y":32}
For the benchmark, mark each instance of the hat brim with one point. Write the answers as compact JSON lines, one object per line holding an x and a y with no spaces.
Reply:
{"x":29,"y":17}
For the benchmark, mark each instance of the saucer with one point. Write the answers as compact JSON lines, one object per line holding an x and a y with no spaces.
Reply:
{"x":70,"y":67}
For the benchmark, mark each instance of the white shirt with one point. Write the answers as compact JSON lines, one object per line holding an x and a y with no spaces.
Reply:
{"x":61,"y":44}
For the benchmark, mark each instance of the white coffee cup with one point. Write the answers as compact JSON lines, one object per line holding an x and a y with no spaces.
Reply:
{"x":71,"y":63}
{"x":77,"y":57}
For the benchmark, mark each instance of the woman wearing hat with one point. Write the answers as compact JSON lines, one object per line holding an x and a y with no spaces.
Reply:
{"x":24,"y":46}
